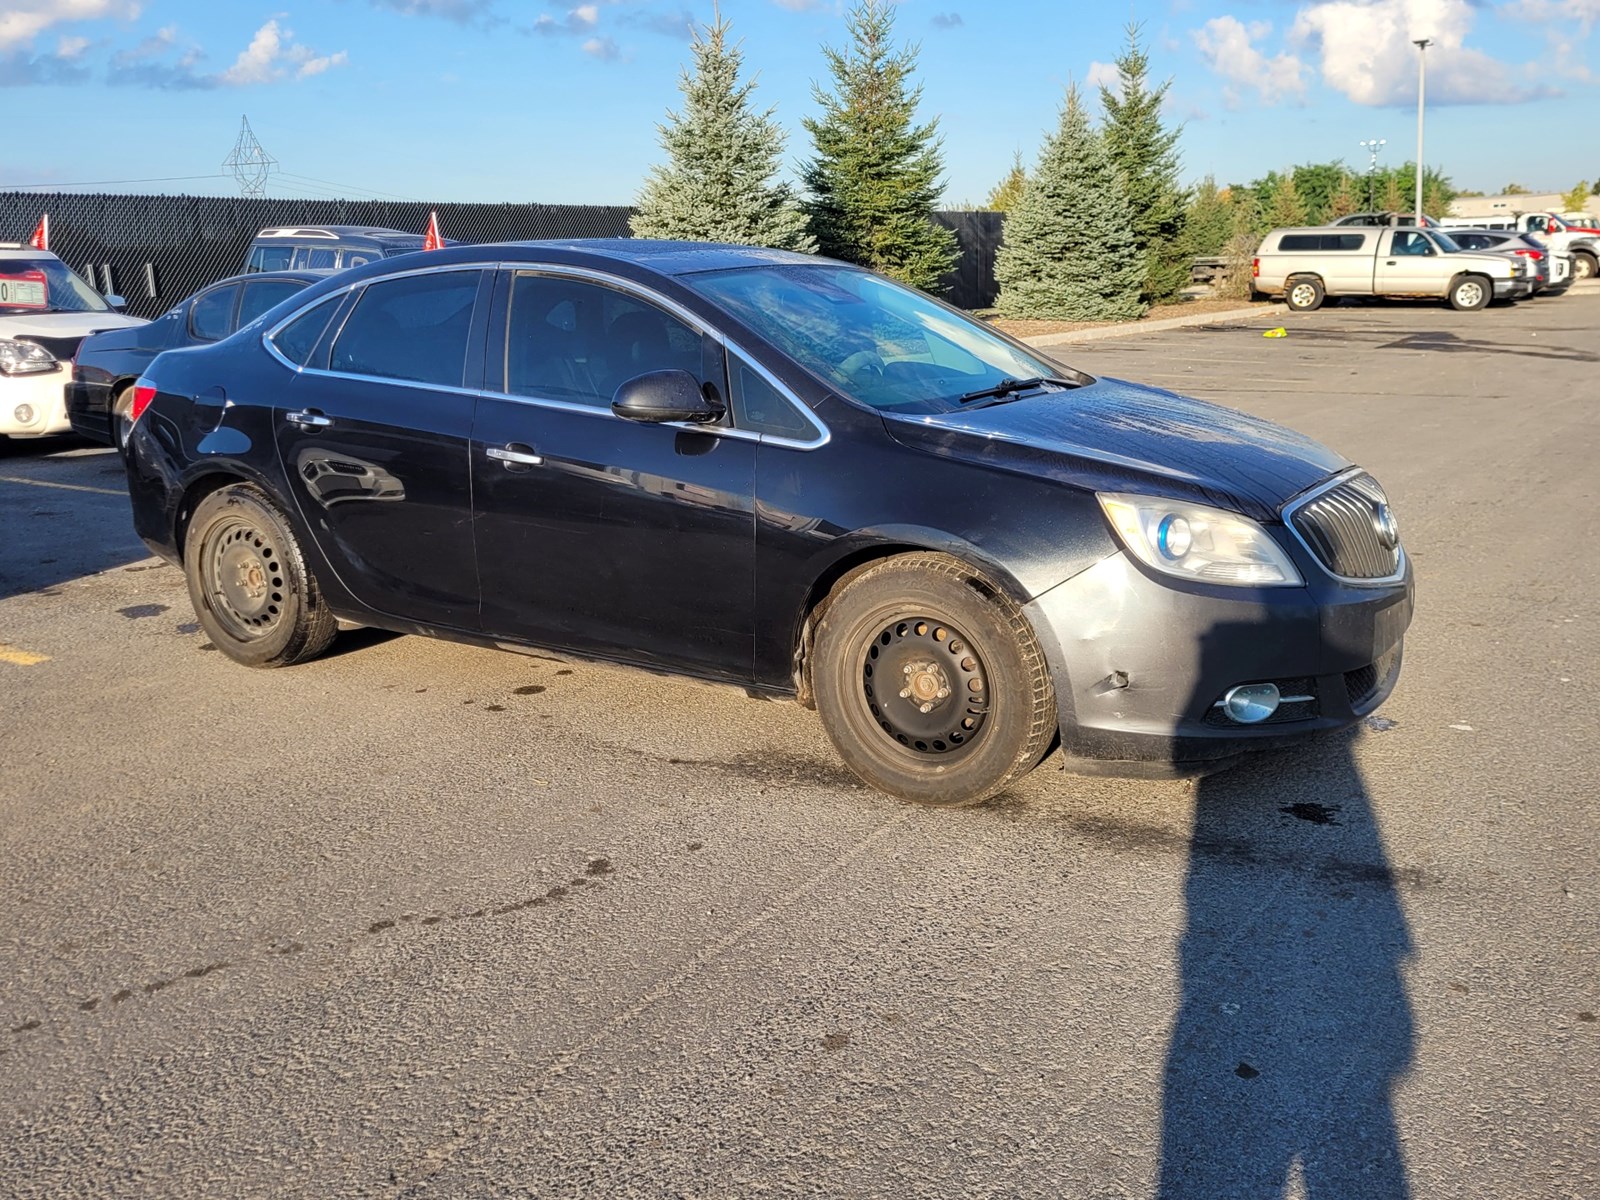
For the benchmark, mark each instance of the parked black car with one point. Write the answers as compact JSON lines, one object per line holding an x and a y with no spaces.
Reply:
{"x":107,"y":364}
{"x":779,"y":471}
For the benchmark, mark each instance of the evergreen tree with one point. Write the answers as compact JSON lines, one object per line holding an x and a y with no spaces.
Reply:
{"x":1145,"y":154}
{"x":1394,"y":200}
{"x":1208,"y":221}
{"x":1287,"y":208}
{"x":1009,"y":190}
{"x":1070,"y":250}
{"x":875,"y":177}
{"x":717,"y":184}
{"x":1344,"y":201}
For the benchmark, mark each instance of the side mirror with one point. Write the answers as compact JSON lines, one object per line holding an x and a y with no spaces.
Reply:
{"x":661,"y":396}
{"x":117,"y":302}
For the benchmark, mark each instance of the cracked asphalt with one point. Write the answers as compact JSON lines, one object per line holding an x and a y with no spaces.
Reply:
{"x":421,"y":919}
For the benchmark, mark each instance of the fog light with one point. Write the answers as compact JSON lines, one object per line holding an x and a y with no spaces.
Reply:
{"x":1251,"y":703}
{"x":24,"y":414}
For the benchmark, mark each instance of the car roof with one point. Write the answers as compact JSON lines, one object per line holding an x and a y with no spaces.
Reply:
{"x":375,"y":233}
{"x":305,"y":275}
{"x":663,"y":257}
{"x":9,"y":251}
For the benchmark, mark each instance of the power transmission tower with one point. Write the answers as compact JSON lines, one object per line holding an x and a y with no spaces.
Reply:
{"x":249,"y":163}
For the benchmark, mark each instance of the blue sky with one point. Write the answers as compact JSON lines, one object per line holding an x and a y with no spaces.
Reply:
{"x":519,"y":100}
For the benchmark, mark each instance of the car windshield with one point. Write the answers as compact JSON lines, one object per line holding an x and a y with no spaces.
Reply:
{"x":1446,"y":243}
{"x":877,"y":342}
{"x":45,"y":285}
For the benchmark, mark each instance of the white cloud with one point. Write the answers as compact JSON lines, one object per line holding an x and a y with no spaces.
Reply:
{"x":1366,"y":52}
{"x":601,"y":47}
{"x":273,"y":54}
{"x":23,"y":20}
{"x":1229,"y":48}
{"x":1105,"y":75}
{"x":71,"y":47}
{"x":800,"y":5}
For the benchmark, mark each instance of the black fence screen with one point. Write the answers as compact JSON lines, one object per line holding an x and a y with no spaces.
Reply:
{"x":155,"y":250}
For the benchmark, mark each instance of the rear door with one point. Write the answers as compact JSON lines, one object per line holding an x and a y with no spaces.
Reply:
{"x":374,"y":443}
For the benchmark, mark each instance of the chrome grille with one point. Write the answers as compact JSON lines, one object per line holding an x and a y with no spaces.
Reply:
{"x":1341,"y":527}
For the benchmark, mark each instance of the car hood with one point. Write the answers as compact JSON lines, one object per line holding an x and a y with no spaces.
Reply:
{"x":1112,"y":435}
{"x":63,"y":325}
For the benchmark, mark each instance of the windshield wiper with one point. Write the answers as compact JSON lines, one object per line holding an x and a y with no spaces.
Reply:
{"x":1011,"y":387}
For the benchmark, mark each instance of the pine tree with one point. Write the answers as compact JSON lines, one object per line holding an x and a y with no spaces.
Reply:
{"x":1394,"y":199}
{"x":1287,"y":208}
{"x":1070,"y":251}
{"x":1009,"y":190}
{"x":1344,"y":200}
{"x":1208,"y":221}
{"x":875,"y":177}
{"x":717,"y":184}
{"x":1145,"y":153}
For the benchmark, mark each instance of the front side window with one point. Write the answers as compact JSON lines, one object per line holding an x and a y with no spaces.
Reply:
{"x":211,"y":314}
{"x":875,"y":341}
{"x":45,"y":285}
{"x":413,"y":328}
{"x":569,"y":339}
{"x":1409,"y":243}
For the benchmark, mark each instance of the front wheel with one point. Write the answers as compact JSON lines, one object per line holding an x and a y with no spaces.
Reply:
{"x":252,"y":591}
{"x":1585,"y":265}
{"x":1470,"y":293}
{"x":930,"y":683}
{"x":1304,"y":295}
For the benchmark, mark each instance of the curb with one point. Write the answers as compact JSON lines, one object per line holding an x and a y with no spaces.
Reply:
{"x":1132,"y":328}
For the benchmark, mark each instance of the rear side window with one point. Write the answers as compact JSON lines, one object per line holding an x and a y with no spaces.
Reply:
{"x":315,"y":258}
{"x":258,"y":297}
{"x":211,"y":314}
{"x":270,"y":258}
{"x":296,"y":340}
{"x":413,"y":328}
{"x":1318,"y":242}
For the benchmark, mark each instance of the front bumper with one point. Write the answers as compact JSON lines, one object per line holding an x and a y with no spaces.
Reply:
{"x":1139,"y":664}
{"x":43,"y":393}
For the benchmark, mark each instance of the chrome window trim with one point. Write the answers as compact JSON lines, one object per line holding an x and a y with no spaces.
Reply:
{"x":1305,"y":498}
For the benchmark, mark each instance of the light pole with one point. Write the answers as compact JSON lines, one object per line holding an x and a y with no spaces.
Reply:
{"x":1422,"y":45}
{"x":1372,"y":146}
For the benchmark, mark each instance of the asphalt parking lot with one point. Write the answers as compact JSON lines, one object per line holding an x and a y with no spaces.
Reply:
{"x":427,"y":920}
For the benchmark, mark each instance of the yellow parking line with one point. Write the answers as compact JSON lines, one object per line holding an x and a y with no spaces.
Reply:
{"x":19,"y":657}
{"x":66,"y":487}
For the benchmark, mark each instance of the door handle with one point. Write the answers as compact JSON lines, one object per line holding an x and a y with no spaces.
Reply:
{"x":309,"y":420}
{"x":516,"y":454}
{"x":1390,"y":263}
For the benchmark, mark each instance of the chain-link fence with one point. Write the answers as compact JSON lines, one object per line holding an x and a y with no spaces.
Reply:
{"x":155,"y":250}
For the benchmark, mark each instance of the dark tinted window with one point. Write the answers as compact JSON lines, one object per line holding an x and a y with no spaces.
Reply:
{"x":211,"y":314}
{"x":1321,"y":241}
{"x":298,"y":338}
{"x":358,"y":258}
{"x":258,"y":297}
{"x":411,"y":328}
{"x":577,"y":341}
{"x":271,"y":258}
{"x":761,"y":408}
{"x":1408,"y":242}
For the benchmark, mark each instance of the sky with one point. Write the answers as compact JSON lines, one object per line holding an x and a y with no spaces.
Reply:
{"x":518,"y":100}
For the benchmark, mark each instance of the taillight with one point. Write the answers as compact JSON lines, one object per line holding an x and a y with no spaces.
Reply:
{"x":1536,"y":255}
{"x":143,"y":393}
{"x":1255,"y":268}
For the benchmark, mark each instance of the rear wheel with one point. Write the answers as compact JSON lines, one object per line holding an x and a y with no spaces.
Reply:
{"x":1304,"y":295}
{"x":930,"y":683}
{"x":1585,"y":265}
{"x":1470,"y":293}
{"x":251,"y":588}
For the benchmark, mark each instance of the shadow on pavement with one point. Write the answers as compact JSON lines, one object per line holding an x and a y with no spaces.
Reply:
{"x":1293,"y":1025}
{"x":61,"y":517}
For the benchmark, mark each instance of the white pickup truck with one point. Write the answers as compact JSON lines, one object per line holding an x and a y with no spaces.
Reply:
{"x":1306,"y":266}
{"x":1579,"y":239}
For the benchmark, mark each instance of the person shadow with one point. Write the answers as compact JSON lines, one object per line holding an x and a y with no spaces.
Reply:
{"x":1293,"y":1025}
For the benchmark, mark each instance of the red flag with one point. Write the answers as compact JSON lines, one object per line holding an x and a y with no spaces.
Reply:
{"x":433,"y":241}
{"x":41,"y":234}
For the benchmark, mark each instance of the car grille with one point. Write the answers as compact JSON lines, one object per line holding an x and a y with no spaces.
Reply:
{"x":1362,"y":684}
{"x":64,"y":348}
{"x":1340,"y":526}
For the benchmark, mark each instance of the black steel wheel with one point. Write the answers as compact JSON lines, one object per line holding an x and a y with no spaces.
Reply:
{"x":930,"y":682}
{"x":249,"y":583}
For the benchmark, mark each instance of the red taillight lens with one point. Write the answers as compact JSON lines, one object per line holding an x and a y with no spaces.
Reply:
{"x":143,"y":393}
{"x":1255,"y":268}
{"x":1536,"y":255}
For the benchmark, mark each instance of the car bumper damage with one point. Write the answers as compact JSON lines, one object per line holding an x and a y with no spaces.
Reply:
{"x":1144,"y":670}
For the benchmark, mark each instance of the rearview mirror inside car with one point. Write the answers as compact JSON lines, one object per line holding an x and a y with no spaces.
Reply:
{"x":659,"y":396}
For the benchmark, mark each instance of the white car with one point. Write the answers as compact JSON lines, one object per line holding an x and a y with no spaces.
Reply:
{"x":46,"y":309}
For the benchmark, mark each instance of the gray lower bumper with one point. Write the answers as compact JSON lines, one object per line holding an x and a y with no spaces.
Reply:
{"x":1139,"y":665}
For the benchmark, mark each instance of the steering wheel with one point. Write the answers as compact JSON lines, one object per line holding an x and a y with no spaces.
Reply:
{"x":863,"y":362}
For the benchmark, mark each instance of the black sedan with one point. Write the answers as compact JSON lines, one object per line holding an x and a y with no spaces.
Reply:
{"x":106,"y":364}
{"x":782,"y":472}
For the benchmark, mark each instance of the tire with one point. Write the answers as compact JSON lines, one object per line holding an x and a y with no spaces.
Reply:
{"x":1304,"y":295}
{"x":249,"y":583}
{"x":926,"y":627}
{"x":1470,"y":293}
{"x":1585,"y":265}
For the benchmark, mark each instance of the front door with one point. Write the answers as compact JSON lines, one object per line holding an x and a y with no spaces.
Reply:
{"x":1409,"y":266}
{"x":595,"y":533}
{"x":375,"y":448}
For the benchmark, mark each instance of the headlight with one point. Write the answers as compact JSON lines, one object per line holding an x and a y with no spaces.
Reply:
{"x":24,"y":358}
{"x":1192,"y":541}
